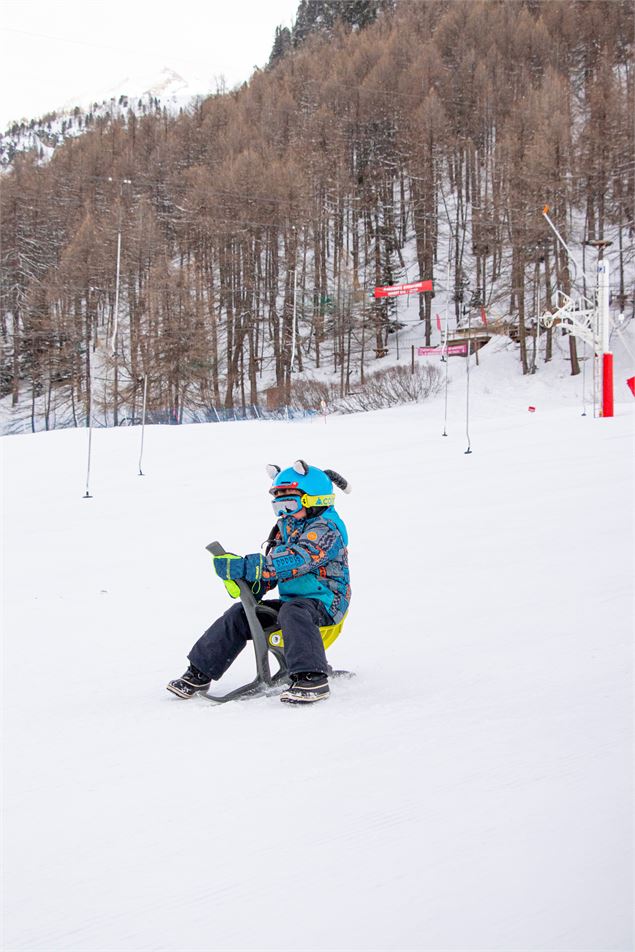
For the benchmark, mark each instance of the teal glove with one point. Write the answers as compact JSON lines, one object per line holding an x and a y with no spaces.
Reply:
{"x":254,"y":565}
{"x":229,"y":567}
{"x":232,"y":567}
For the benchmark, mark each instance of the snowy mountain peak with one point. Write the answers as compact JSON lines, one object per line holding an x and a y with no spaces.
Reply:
{"x":164,"y":84}
{"x":141,"y":92}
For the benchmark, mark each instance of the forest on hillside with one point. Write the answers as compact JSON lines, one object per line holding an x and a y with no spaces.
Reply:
{"x":248,"y":234}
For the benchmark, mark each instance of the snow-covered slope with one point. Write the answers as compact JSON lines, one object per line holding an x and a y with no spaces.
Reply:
{"x":469,"y":789}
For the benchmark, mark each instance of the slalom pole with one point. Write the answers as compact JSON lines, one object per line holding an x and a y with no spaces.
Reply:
{"x":113,"y":341}
{"x":295,"y":311}
{"x":467,"y":389}
{"x":89,"y":396}
{"x":87,"y":494}
{"x":445,"y":417}
{"x":143,"y":421}
{"x":447,"y":355}
{"x":584,"y":359}
{"x":537,"y":345}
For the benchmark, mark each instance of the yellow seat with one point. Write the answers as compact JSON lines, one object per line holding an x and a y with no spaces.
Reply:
{"x":329,"y":634}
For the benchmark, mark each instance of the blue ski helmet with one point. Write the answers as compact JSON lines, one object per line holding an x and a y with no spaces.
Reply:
{"x":306,"y":487}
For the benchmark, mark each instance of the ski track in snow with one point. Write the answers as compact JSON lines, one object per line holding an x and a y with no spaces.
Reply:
{"x":468,"y":790}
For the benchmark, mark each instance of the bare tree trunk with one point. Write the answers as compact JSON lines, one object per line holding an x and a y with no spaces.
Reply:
{"x":549,"y":305}
{"x":15,"y":382}
{"x":518,"y":283}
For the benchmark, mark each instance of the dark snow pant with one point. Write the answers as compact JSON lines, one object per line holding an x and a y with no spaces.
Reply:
{"x":300,"y":621}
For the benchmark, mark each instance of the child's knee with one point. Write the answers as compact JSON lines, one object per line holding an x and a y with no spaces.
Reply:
{"x":236,"y":611}
{"x":289,"y":610}
{"x":297,"y":614}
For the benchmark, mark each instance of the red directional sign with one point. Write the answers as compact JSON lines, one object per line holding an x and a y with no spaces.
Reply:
{"x":394,"y":290}
{"x":454,"y":350}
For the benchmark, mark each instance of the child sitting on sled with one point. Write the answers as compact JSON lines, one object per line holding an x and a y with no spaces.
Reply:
{"x":307,"y":559}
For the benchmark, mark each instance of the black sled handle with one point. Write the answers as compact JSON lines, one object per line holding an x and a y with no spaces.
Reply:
{"x":249,"y":603}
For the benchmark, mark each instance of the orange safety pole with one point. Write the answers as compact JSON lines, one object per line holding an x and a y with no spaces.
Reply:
{"x":607,"y":384}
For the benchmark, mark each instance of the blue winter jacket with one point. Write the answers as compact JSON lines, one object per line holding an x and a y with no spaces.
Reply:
{"x":309,"y":559}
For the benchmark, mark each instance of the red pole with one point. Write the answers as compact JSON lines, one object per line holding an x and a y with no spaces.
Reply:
{"x":607,"y":385}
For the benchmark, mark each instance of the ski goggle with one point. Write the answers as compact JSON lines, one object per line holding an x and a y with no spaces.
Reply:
{"x":287,"y":505}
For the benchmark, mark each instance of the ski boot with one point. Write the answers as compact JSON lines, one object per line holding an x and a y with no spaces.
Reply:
{"x":306,"y":688}
{"x":191,"y":683}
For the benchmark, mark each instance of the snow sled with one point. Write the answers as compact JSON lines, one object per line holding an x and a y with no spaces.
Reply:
{"x":267,"y":639}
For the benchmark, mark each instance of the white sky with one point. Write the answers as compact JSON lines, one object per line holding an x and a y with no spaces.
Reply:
{"x":54,"y":51}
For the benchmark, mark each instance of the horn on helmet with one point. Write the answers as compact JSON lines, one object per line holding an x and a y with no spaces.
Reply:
{"x":339,"y":480}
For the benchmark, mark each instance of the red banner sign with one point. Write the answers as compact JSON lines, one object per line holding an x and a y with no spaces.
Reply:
{"x":454,"y":350}
{"x":394,"y":290}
